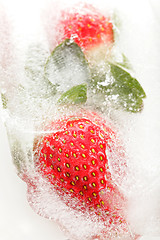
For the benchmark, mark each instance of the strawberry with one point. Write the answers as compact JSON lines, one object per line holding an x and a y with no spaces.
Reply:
{"x":88,"y":27}
{"x":72,"y":157}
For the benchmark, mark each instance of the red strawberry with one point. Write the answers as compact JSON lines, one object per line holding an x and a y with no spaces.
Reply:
{"x":73,"y":159}
{"x":88,"y":27}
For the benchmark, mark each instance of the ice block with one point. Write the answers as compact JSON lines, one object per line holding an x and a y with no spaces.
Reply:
{"x":65,"y":112}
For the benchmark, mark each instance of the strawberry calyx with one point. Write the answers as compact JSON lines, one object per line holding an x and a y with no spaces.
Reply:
{"x":111,"y":81}
{"x":67,"y":67}
{"x":117,"y":85}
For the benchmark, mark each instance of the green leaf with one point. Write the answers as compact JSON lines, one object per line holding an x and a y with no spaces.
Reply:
{"x":127,"y":82}
{"x":4,"y":100}
{"x":75,"y":95}
{"x":118,"y":86}
{"x":18,"y":156}
{"x":67,"y":66}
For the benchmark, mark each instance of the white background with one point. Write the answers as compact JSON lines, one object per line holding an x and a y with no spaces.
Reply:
{"x":17,"y":220}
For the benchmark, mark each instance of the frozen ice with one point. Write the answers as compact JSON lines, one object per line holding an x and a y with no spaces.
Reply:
{"x":61,"y":78}
{"x":30,"y":103}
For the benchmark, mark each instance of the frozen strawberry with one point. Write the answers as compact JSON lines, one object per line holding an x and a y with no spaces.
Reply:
{"x":88,"y":27}
{"x":73,"y":158}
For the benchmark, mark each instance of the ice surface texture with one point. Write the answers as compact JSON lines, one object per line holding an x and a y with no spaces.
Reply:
{"x":58,"y":80}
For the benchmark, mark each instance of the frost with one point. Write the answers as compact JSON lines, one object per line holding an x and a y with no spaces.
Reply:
{"x":30,"y":103}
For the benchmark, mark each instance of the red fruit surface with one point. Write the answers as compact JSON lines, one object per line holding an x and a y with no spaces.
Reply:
{"x":73,"y":159}
{"x":88,"y":27}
